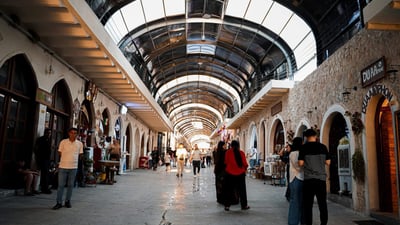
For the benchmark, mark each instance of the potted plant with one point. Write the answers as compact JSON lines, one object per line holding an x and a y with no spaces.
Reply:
{"x":358,"y":165}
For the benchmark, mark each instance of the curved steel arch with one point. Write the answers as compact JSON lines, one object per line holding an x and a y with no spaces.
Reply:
{"x":197,"y":90}
{"x":160,"y":45}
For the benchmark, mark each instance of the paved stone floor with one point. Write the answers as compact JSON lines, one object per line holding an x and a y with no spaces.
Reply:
{"x":159,"y":198}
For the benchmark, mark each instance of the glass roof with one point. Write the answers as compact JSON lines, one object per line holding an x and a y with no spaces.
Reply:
{"x":270,"y":14}
{"x":189,"y":48}
{"x":196,"y":105}
{"x":193,"y":78}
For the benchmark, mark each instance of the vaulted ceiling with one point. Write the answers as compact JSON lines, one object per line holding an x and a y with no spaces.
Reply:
{"x":179,"y":63}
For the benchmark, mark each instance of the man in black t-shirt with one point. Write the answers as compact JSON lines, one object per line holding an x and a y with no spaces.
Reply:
{"x":314,"y":156}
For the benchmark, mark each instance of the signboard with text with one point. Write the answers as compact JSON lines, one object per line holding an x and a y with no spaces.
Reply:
{"x":373,"y":72}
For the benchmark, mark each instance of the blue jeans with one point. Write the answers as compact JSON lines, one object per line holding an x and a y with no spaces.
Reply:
{"x":65,"y":176}
{"x":253,"y":163}
{"x":296,"y":201}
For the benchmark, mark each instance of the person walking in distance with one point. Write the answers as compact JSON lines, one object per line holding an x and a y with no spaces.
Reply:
{"x":236,"y":167}
{"x":313,"y":157}
{"x":70,"y":151}
{"x":195,"y":159}
{"x":181,"y":154}
{"x":42,"y":156}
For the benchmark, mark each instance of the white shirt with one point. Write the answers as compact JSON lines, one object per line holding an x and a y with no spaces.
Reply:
{"x":181,"y":153}
{"x":70,"y":153}
{"x":294,"y":169}
{"x":252,"y":153}
{"x":196,"y":155}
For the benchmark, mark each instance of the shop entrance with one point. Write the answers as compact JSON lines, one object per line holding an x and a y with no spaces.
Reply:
{"x":385,"y":155}
{"x":336,"y":133}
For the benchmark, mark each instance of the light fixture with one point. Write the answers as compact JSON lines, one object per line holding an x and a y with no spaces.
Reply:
{"x":123,"y":110}
{"x":392,"y":72}
{"x":49,"y":68}
{"x":310,"y":112}
{"x":346,"y":93}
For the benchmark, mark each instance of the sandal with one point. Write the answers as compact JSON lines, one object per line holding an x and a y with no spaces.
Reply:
{"x":246,"y":207}
{"x":226,"y":208}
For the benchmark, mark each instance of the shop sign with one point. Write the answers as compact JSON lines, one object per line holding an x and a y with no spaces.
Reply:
{"x":276,"y":109}
{"x":373,"y":72}
{"x":377,"y":89}
{"x":44,"y":97}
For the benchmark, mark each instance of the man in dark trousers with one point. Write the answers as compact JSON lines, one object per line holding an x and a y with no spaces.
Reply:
{"x":42,"y":156}
{"x":313,"y":157}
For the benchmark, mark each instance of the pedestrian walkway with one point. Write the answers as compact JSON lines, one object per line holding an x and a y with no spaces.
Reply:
{"x":146,"y":197}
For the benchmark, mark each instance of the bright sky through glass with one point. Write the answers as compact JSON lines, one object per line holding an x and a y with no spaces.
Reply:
{"x":202,"y":78}
{"x":195,"y":105}
{"x":270,"y":14}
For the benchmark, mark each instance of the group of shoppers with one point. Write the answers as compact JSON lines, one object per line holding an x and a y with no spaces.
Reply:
{"x":307,"y":179}
{"x":230,"y":175}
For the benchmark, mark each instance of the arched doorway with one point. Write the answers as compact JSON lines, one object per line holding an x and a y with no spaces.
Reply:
{"x":17,"y":111}
{"x":117,"y":128}
{"x":253,"y":137}
{"x":106,"y":122}
{"x":338,"y":130}
{"x":385,"y":156}
{"x":382,"y":178}
{"x":279,"y":137}
{"x":128,"y":146}
{"x":85,"y":123}
{"x":58,"y":115}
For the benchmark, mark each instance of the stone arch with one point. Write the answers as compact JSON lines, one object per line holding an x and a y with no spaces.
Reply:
{"x":276,"y":140}
{"x":371,"y":104}
{"x":17,"y":140}
{"x":253,"y":137}
{"x":336,"y":126}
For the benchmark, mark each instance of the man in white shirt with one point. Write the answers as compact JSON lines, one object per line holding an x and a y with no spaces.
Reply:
{"x":70,"y":151}
{"x":252,"y":155}
{"x":181,"y":155}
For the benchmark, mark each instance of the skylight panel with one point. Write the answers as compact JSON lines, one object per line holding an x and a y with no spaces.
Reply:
{"x":235,"y":8}
{"x":115,"y":27}
{"x":254,"y":13}
{"x":277,"y":18}
{"x":197,"y":125}
{"x":305,"y":51}
{"x":133,"y":15}
{"x":200,"y":49}
{"x":153,"y":9}
{"x":195,"y":105}
{"x":208,"y":79}
{"x":174,"y":7}
{"x":295,"y":31}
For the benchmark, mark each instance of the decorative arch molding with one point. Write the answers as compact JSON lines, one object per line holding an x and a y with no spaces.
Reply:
{"x":263,"y":138}
{"x":303,"y":122}
{"x":277,"y":119}
{"x":370,"y":105}
{"x":253,"y":135}
{"x":376,"y":90}
{"x":327,"y":122}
